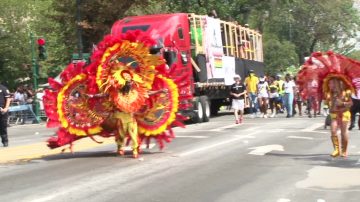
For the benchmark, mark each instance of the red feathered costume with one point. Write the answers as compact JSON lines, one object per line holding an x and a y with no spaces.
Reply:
{"x":335,"y":75}
{"x":125,"y":92}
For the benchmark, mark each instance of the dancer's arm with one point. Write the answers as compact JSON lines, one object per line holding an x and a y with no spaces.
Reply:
{"x":152,"y":92}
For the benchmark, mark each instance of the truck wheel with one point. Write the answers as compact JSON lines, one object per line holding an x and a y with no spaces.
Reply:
{"x":198,"y":113}
{"x":206,"y":108}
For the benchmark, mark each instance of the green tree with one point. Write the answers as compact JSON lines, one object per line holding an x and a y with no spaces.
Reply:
{"x":355,"y":54}
{"x":313,"y":25}
{"x":279,"y":55}
{"x":97,"y":17}
{"x":17,"y":20}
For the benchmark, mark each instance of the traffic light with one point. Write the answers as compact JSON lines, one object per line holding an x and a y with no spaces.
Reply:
{"x":42,"y":49}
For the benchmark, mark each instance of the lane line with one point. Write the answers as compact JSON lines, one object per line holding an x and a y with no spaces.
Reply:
{"x":262,"y":150}
{"x":237,"y":138}
{"x":225,"y":127}
{"x":299,"y":137}
{"x":312,"y":127}
{"x":193,"y":137}
{"x":283,"y":200}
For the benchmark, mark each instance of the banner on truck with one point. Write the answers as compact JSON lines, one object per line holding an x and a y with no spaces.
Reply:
{"x":213,"y":48}
{"x":229,"y":69}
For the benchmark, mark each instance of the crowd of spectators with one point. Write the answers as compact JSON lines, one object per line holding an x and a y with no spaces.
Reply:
{"x":25,"y":95}
{"x":277,"y":95}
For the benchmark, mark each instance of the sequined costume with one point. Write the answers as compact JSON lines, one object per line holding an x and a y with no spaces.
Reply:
{"x":335,"y":75}
{"x":125,"y":92}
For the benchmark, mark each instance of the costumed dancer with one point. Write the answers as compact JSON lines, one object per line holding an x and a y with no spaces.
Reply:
{"x":125,"y":92}
{"x":338,"y":98}
{"x":334,"y":73}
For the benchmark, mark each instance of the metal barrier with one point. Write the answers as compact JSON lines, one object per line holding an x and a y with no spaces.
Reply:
{"x":21,"y":114}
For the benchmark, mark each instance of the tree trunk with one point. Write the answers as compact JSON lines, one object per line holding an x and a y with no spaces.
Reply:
{"x":313,"y":45}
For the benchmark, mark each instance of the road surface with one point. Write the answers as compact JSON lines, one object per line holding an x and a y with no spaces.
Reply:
{"x":271,"y":160}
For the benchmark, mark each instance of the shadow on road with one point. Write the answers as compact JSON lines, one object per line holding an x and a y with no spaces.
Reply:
{"x":94,"y":154}
{"x":352,"y":161}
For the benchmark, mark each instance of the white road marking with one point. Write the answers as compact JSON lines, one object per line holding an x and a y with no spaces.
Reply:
{"x":300,"y":137}
{"x":225,"y":127}
{"x":283,"y":200}
{"x":262,"y":150}
{"x":312,"y":127}
{"x":187,"y":153}
{"x":277,"y":130}
{"x":320,"y":200}
{"x":190,"y":131}
{"x":43,"y":199}
{"x":194,"y":137}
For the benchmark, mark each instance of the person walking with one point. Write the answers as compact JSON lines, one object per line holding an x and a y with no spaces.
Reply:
{"x":274,"y":99}
{"x":312,"y":101}
{"x":237,"y":93}
{"x":338,"y":97}
{"x":289,"y":89}
{"x":355,"y":108}
{"x":280,"y":84}
{"x":251,"y":83}
{"x":263,"y":89}
{"x":297,"y":100}
{"x":4,"y":108}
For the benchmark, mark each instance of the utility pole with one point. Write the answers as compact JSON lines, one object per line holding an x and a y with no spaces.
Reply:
{"x":79,"y":30}
{"x":35,"y":71}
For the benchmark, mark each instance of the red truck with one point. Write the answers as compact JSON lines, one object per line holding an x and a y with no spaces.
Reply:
{"x":210,"y":51}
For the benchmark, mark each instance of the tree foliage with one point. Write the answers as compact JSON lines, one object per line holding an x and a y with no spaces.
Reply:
{"x":279,"y":55}
{"x":292,"y":29}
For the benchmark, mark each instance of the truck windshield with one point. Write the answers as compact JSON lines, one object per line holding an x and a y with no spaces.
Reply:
{"x":137,"y":27}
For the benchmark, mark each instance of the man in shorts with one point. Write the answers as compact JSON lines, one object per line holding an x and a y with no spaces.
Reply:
{"x":237,"y":93}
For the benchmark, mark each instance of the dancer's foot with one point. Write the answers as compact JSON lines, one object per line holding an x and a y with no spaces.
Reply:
{"x":351,"y":127}
{"x":121,"y":152}
{"x":135,"y":154}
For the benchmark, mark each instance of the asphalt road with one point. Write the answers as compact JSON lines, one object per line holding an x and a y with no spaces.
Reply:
{"x":271,"y":160}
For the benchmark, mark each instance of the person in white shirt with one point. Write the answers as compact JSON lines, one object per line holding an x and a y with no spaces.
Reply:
{"x":20,"y":96}
{"x":263,"y":96}
{"x":289,"y":88}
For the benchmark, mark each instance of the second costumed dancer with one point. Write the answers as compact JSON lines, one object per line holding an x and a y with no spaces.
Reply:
{"x":335,"y":75}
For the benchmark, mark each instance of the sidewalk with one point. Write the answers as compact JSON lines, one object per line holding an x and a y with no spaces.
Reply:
{"x":28,"y":142}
